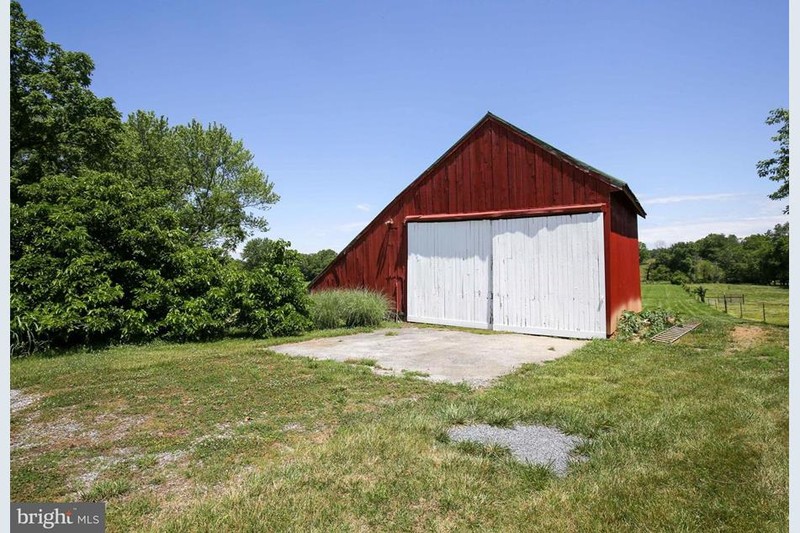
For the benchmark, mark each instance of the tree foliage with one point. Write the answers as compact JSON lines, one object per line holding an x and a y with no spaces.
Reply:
{"x":212,"y":180}
{"x":312,"y":265}
{"x":777,"y":168}
{"x":120,"y":231}
{"x":761,"y":259}
{"x":102,"y":259}
{"x":258,"y":251}
{"x":219,"y":184}
{"x":146,"y":153}
{"x":58,"y":125}
{"x":98,"y":256}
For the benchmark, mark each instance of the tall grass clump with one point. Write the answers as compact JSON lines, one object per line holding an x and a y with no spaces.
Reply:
{"x":349,"y":308}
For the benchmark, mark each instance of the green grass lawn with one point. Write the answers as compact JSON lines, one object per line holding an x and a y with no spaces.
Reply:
{"x":228,"y":436}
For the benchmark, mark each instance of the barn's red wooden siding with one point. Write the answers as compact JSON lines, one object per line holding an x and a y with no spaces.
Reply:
{"x":494,"y":167}
{"x":624,"y":287}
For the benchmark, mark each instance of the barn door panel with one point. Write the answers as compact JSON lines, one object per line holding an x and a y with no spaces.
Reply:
{"x":449,"y":273}
{"x":548,"y":275}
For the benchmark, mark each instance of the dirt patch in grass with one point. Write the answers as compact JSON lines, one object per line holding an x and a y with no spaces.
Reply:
{"x":68,"y":432}
{"x":90,"y":442}
{"x":21,"y":400}
{"x":745,"y":337}
{"x":93,"y":468}
{"x":294,"y":426}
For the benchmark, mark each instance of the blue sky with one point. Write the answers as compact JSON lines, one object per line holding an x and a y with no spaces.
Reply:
{"x":345,"y":103}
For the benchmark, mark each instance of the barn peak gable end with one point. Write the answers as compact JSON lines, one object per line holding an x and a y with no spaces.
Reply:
{"x":617,"y":185}
{"x":495,"y":170}
{"x":474,"y":145}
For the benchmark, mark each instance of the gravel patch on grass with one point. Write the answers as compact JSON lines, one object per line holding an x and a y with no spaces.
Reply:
{"x":539,"y":445}
{"x":20,"y":400}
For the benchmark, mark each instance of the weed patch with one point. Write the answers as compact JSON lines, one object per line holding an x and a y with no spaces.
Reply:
{"x":645,"y":324}
{"x":103,"y":491}
{"x":363,"y":362}
{"x":415,"y":374}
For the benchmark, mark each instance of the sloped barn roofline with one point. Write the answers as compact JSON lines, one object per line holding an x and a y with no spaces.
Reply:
{"x":616,"y":183}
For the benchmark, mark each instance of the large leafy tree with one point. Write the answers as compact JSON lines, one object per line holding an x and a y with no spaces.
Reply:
{"x":721,"y":250}
{"x":99,"y":258}
{"x":58,"y":125}
{"x":146,"y":153}
{"x":777,"y":168}
{"x":220,"y":184}
{"x":262,"y":251}
{"x":213,"y":182}
{"x":775,"y":264}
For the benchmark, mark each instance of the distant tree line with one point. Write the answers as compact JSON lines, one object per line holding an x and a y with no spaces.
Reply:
{"x":760,"y":259}
{"x":121,"y":229}
{"x":257,"y":253}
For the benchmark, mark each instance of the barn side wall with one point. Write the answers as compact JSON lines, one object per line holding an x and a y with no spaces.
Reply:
{"x":623,"y":280}
{"x":492,"y":169}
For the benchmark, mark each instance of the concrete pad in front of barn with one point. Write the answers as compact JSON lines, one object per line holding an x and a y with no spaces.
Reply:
{"x":441,"y":354}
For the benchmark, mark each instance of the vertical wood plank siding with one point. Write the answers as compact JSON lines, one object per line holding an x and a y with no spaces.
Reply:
{"x":541,"y":275}
{"x":548,"y":275}
{"x":494,"y":167}
{"x":451,"y":265}
{"x":624,"y":290}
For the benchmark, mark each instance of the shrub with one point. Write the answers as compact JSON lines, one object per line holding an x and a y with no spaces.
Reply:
{"x":645,"y":324}
{"x":348,"y":308}
{"x":701,"y":293}
{"x":679,"y":278}
{"x":271,"y":300}
{"x":659,"y":273}
{"x":99,"y":259}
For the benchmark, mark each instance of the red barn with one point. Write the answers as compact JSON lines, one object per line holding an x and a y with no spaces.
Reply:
{"x":503,"y":232}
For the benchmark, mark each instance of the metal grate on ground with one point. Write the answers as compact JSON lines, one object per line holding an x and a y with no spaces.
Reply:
{"x":674,"y":333}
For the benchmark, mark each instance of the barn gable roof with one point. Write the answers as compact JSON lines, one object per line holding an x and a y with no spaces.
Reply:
{"x":616,"y":183}
{"x":608,"y":178}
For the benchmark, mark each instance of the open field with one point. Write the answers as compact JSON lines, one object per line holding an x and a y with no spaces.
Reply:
{"x":674,"y":298}
{"x":760,"y":302}
{"x":775,"y":300}
{"x":230,"y":436}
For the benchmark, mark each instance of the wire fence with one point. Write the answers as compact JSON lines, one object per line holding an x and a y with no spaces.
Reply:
{"x":739,"y":306}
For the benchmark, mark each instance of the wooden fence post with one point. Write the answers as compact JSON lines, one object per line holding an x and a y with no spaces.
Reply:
{"x":741,"y":312}
{"x":764,"y":312}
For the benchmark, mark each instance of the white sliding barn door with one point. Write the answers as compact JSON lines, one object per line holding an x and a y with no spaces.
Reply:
{"x":449,"y":273}
{"x":549,"y":275}
{"x":539,"y":275}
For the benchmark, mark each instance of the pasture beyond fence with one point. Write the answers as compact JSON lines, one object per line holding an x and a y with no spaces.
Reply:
{"x":740,"y":306}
